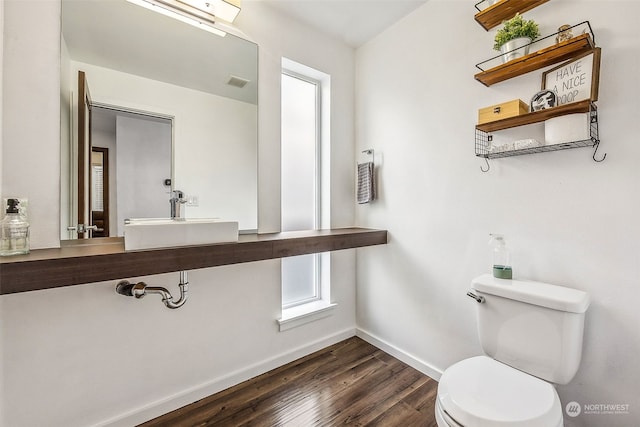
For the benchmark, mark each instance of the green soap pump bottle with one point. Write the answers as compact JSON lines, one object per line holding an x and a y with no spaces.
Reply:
{"x":14,"y":231}
{"x":501,"y":257}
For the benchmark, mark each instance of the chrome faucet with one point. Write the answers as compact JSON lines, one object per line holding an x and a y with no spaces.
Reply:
{"x":177,"y":199}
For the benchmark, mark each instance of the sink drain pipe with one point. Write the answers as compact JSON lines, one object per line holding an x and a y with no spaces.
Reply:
{"x":141,"y":289}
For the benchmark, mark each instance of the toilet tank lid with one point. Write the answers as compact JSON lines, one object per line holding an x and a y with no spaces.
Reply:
{"x":536,"y":293}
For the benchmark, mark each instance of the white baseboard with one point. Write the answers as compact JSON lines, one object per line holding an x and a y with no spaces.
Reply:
{"x":400,"y":354}
{"x":185,"y":397}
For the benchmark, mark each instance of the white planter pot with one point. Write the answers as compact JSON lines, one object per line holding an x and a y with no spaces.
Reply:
{"x":515,"y":48}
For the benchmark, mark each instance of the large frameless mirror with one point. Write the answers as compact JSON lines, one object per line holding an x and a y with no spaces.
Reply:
{"x":151,"y":105}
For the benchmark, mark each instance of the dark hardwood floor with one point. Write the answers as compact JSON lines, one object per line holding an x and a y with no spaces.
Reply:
{"x":350,"y":383}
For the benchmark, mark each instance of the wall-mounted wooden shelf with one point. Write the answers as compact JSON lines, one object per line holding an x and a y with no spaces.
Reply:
{"x":503,"y":10}
{"x":536,"y":116}
{"x":536,"y":60}
{"x":80,"y":264}
{"x":557,"y":53}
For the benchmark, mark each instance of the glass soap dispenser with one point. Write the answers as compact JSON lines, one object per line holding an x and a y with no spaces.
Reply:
{"x":14,"y":231}
{"x":501,"y":257}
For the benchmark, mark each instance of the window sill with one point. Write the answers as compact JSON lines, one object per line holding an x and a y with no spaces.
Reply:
{"x":302,"y":314}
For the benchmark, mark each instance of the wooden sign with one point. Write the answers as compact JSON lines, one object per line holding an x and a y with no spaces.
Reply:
{"x":575,"y":80}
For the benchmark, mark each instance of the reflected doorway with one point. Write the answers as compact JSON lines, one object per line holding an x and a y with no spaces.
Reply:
{"x":137,"y":157}
{"x":123,"y":166}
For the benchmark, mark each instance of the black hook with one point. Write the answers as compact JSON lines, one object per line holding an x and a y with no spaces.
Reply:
{"x":594,"y":155}
{"x":488,"y":166}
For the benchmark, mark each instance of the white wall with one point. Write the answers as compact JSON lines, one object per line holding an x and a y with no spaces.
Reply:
{"x":144,"y":152}
{"x":278,"y":37}
{"x":31,"y":114}
{"x":570,"y":220}
{"x":82,"y":355}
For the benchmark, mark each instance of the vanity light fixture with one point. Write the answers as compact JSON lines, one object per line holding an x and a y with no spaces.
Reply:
{"x":183,"y":13}
{"x":226,"y":10}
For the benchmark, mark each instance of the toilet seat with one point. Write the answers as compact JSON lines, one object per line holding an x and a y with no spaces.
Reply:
{"x":481,"y":391}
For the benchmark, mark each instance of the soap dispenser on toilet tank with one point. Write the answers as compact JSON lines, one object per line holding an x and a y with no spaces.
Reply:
{"x":502,"y":268}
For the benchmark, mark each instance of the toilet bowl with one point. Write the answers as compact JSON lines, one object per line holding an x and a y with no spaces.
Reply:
{"x":481,"y":391}
{"x":531,"y":334}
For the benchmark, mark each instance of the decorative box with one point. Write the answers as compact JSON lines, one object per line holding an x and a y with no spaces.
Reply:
{"x":502,"y":111}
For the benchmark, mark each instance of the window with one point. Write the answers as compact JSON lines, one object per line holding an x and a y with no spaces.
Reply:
{"x":299,"y":194}
{"x":304,"y":188}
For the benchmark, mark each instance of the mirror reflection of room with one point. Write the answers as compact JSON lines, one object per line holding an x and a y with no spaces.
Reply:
{"x":205,"y":85}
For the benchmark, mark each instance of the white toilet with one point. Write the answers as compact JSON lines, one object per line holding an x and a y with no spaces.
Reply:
{"x":531,"y":333}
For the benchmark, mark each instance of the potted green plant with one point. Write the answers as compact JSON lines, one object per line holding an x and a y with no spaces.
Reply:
{"x":513,"y":39}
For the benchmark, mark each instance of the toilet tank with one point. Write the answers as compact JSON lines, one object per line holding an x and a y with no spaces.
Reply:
{"x":532,"y":326}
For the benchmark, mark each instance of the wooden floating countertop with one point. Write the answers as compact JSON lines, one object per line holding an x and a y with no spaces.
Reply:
{"x":105,"y":259}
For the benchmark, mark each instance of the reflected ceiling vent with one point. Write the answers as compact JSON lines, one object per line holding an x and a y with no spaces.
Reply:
{"x":237,"y":81}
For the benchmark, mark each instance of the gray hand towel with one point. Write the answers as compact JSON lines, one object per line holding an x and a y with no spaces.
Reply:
{"x":366,"y":183}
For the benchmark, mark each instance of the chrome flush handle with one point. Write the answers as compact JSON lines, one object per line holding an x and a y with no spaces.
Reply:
{"x":479,"y":299}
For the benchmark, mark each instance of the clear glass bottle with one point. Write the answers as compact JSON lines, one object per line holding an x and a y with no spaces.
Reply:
{"x":501,"y":257}
{"x":14,"y":231}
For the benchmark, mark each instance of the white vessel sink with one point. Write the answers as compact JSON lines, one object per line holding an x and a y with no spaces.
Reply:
{"x":149,"y":233}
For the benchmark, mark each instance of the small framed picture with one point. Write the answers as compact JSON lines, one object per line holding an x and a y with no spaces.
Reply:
{"x":575,"y":80}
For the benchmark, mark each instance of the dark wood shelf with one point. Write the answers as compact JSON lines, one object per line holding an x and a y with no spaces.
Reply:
{"x":536,"y":60}
{"x":536,"y":116}
{"x":88,"y":263}
{"x":503,"y":10}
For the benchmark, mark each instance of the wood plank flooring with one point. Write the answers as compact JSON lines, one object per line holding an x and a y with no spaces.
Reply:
{"x":350,"y":383}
